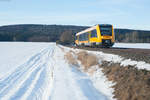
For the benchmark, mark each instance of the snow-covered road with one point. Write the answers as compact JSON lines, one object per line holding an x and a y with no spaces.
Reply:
{"x":32,"y":71}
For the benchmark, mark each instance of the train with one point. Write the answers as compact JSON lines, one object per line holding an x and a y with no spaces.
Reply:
{"x":100,"y":35}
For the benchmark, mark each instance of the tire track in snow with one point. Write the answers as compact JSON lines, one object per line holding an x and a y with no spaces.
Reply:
{"x":20,"y":71}
{"x":26,"y":79}
{"x":43,"y":93}
{"x":28,"y":92}
{"x":37,"y":90}
{"x":50,"y":77}
{"x":26,"y":85}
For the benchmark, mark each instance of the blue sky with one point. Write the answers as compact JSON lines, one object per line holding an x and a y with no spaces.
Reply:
{"x":133,"y":14}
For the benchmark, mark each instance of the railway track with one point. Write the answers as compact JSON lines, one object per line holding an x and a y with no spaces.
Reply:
{"x":128,"y":53}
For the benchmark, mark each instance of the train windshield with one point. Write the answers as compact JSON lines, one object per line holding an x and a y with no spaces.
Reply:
{"x":106,"y":31}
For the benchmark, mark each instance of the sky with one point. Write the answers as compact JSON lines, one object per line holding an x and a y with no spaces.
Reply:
{"x":132,"y":14}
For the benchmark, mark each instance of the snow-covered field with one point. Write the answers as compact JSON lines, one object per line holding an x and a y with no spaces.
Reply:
{"x":38,"y":71}
{"x":133,"y":45}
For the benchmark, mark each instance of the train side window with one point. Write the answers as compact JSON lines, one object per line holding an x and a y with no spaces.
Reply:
{"x":79,"y":37}
{"x":86,"y":36}
{"x":83,"y":37}
{"x":93,"y":33}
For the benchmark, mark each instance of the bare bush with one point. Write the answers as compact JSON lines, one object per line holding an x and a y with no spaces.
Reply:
{"x":87,"y":59}
{"x":66,"y":37}
{"x":70,"y":58}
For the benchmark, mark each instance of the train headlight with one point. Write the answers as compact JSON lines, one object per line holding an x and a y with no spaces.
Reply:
{"x":107,"y":41}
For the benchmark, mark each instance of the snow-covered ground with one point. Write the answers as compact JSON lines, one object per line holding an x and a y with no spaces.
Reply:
{"x":133,"y":45}
{"x":38,"y":71}
{"x":118,"y":59}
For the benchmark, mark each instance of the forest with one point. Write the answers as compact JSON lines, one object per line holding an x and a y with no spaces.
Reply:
{"x":63,"y":33}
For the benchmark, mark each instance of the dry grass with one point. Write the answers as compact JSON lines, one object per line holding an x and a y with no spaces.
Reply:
{"x":87,"y":59}
{"x":70,"y":58}
{"x":131,"y":83}
{"x":92,"y":70}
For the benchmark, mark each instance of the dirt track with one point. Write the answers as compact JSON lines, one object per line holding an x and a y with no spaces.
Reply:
{"x":134,"y":54}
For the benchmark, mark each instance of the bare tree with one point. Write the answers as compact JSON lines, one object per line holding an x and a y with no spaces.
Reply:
{"x":66,"y":37}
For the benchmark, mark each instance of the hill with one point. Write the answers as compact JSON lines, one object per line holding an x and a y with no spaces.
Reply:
{"x":52,"y":33}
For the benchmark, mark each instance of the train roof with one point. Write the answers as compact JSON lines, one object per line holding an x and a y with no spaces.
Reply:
{"x":86,"y":30}
{"x":104,"y":24}
{"x":92,"y":28}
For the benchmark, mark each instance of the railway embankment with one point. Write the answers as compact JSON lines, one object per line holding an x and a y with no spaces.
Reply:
{"x":130,"y":82}
{"x":127,"y":53}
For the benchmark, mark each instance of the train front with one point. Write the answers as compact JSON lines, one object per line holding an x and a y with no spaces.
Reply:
{"x":107,"y":35}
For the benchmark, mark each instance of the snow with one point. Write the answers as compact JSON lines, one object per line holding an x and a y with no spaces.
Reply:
{"x":112,"y":58}
{"x":138,"y":64}
{"x":133,"y":45}
{"x":28,"y":78}
{"x":98,"y":79}
{"x":71,"y":83}
{"x":15,"y":54}
{"x":101,"y":83}
{"x":38,"y":71}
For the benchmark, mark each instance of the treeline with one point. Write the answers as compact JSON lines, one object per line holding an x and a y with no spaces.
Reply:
{"x":132,"y":36}
{"x":35,"y":33}
{"x":62,"y":33}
